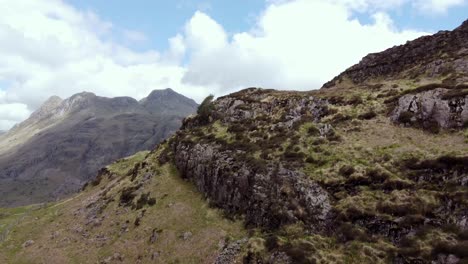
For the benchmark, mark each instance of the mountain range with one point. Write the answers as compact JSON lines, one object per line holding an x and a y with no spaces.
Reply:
{"x":371,"y":168}
{"x":64,"y":143}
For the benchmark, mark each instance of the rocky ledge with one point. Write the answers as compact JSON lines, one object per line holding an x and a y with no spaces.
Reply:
{"x":440,"y":55}
{"x":433,"y":106}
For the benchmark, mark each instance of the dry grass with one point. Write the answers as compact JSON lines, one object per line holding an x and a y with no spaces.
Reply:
{"x":64,"y":236}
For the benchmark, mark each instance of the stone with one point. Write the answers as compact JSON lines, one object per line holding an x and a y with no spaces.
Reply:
{"x":187,"y":235}
{"x":28,"y":243}
{"x":230,"y":252}
{"x":431,"y":106}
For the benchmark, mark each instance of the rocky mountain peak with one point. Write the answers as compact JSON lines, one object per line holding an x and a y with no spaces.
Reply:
{"x":162,"y":93}
{"x":44,"y":110}
{"x":78,"y":102}
{"x":439,"y":56}
{"x":463,"y":26}
{"x":167,"y":100}
{"x":161,"y":96}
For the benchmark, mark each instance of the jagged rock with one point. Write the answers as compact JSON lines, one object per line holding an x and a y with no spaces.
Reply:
{"x":446,"y":259}
{"x":415,"y":59}
{"x":279,"y":258}
{"x":230,"y":252}
{"x":268,"y":198}
{"x":253,"y":103}
{"x":187,"y":235}
{"x":154,"y":235}
{"x":268,"y":195}
{"x":28,"y":243}
{"x":155,"y":255}
{"x":431,"y":106}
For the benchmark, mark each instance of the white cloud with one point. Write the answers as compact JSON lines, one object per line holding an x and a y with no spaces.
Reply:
{"x":424,"y":6}
{"x":438,"y":6}
{"x":11,"y":113}
{"x":295,"y":45}
{"x":49,"y":48}
{"x":135,"y":36}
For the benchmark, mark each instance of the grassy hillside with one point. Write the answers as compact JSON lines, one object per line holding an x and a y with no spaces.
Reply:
{"x":109,"y":222}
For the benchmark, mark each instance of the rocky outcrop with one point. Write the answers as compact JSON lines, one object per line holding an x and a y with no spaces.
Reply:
{"x":269,"y":194}
{"x":432,"y":107}
{"x":269,"y":197}
{"x":254,"y":104}
{"x":442,"y":54}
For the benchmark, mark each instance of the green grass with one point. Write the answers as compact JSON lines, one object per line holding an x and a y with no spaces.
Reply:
{"x":122,"y":166}
{"x":179,"y":208}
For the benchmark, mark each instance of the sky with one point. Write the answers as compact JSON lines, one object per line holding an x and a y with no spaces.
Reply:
{"x":196,"y":47}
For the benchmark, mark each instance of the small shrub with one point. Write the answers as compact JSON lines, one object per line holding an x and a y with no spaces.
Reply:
{"x":292,"y":156}
{"x":367,"y":115}
{"x":205,"y":109}
{"x":377,"y":175}
{"x":355,"y":100}
{"x":333,"y":136}
{"x":454,"y":94}
{"x":405,"y":117}
{"x":348,"y":232}
{"x":459,"y":249}
{"x":339,"y":118}
{"x":271,"y":242}
{"x":142,"y":201}
{"x":336,"y":100}
{"x":255,"y":165}
{"x":127,"y":195}
{"x":300,"y":252}
{"x":151,"y":201}
{"x":400,"y":209}
{"x":347,"y":170}
{"x":396,"y":184}
{"x":314,"y":131}
{"x":463,"y":235}
{"x":432,"y":127}
{"x":236,"y":128}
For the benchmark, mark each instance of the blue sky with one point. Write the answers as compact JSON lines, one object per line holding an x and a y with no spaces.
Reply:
{"x":196,"y":47}
{"x":160,"y":20}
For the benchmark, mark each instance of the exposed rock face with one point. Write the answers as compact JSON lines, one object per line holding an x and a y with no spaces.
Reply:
{"x":432,"y":106}
{"x":65,"y":142}
{"x":167,"y":101}
{"x":269,"y":198}
{"x":253,"y":104}
{"x":230,"y":252}
{"x":269,"y":195}
{"x":433,"y":56}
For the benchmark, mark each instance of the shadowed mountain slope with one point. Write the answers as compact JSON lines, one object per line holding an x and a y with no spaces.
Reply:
{"x":64,"y":143}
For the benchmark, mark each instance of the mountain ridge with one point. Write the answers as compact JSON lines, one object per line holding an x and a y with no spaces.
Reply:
{"x":442,"y":54}
{"x":86,"y":130}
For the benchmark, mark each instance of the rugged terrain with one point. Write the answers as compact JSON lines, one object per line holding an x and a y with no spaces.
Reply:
{"x":65,"y":142}
{"x":372,"y":168}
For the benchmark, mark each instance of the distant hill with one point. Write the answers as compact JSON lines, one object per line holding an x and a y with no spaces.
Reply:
{"x":65,"y":142}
